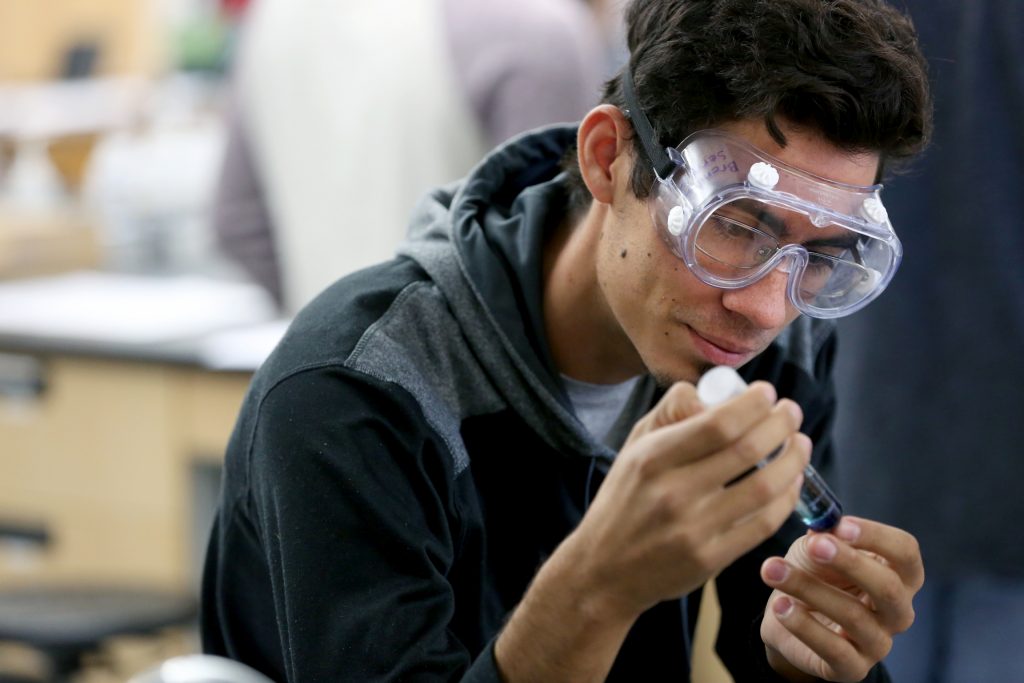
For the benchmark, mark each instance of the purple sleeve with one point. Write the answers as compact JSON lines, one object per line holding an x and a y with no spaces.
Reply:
{"x":526,"y":64}
{"x":241,"y":221}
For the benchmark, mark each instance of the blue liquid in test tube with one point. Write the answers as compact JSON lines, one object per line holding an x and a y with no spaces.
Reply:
{"x":818,"y":507}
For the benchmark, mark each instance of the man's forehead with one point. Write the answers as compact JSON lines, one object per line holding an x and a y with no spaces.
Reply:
{"x":809,"y":150}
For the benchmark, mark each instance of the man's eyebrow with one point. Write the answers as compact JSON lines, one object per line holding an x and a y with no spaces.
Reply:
{"x":760,"y":213}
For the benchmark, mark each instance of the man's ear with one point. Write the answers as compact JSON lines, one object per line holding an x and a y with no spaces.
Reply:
{"x":604,"y":137}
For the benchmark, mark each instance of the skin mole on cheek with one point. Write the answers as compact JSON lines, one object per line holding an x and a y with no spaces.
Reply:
{"x":623,"y":254}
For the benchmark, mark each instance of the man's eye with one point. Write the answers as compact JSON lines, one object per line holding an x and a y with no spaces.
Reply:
{"x":821,"y":267}
{"x":731,"y":229}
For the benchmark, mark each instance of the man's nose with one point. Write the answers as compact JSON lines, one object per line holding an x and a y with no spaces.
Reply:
{"x":764,"y":303}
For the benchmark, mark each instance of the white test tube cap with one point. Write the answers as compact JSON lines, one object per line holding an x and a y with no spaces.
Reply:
{"x":719,"y":384}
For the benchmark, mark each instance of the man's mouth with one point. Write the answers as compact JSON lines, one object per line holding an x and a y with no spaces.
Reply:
{"x":721,"y":351}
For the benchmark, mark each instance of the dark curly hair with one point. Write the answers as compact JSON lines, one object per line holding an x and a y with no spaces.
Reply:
{"x":849,"y":69}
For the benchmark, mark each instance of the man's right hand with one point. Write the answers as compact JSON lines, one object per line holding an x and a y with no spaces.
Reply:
{"x":666,"y":519}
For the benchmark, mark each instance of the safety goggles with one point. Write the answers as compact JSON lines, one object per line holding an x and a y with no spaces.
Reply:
{"x":730,"y":212}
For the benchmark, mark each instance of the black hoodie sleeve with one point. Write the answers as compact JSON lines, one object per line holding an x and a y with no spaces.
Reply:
{"x":335,"y":540}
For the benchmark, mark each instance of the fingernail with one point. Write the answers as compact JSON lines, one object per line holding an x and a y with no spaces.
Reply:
{"x":776,"y":571}
{"x":848,"y":530}
{"x":782,"y":607}
{"x":795,"y":411}
{"x":823,"y":550}
{"x":769,"y":391}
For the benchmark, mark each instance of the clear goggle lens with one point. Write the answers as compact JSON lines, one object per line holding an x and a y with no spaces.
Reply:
{"x":733,"y":214}
{"x":832,"y":272}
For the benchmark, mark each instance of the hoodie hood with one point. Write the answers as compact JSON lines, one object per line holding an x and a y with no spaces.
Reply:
{"x":481,"y":240}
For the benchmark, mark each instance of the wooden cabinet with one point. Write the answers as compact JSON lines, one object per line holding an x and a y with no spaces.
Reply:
{"x":103,"y":458}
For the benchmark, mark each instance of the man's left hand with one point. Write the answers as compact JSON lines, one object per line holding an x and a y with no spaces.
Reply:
{"x":839,"y":599}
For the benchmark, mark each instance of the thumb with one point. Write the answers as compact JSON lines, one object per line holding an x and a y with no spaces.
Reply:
{"x":822,"y":545}
{"x":679,"y":403}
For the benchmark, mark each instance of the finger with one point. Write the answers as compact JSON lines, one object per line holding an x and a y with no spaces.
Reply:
{"x":891,"y":599}
{"x":735,"y":536}
{"x":678,"y":403}
{"x":762,"y":487}
{"x":899,"y":548}
{"x":857,"y":620}
{"x":841,"y":660}
{"x":752,"y":447}
{"x":709,"y":431}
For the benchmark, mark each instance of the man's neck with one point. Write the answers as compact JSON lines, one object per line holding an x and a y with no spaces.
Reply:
{"x":585,"y":339}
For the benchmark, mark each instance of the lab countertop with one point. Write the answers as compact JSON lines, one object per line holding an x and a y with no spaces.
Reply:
{"x":182,"y":319}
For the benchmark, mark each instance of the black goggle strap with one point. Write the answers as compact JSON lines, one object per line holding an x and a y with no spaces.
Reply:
{"x":664,"y":165}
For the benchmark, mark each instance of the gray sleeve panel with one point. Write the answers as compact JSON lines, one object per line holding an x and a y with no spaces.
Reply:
{"x":418,"y":345}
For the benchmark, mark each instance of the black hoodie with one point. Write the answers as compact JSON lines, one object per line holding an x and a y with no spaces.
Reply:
{"x":407,"y":458}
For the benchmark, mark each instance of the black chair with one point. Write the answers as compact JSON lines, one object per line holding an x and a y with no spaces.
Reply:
{"x":64,"y":622}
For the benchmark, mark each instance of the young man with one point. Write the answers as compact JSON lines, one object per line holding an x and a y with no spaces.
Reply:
{"x":485,"y":460}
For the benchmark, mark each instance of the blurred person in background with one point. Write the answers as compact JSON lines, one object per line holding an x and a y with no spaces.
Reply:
{"x":931,"y":377}
{"x":348,"y":112}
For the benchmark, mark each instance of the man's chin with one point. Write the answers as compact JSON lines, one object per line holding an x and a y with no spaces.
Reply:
{"x":665,"y":377}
